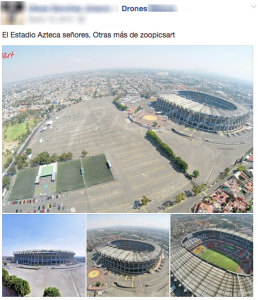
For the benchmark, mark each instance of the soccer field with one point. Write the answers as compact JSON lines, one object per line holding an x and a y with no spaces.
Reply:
{"x":15,"y":131}
{"x":69,"y":176}
{"x":24,"y":185}
{"x":219,"y":260}
{"x":96,"y":170}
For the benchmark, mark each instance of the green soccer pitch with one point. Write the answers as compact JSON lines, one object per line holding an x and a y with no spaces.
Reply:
{"x":219,"y":260}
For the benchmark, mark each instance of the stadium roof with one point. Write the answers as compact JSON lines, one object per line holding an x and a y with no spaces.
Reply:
{"x":205,"y":280}
{"x":129,"y":255}
{"x":203,"y":108}
{"x":240,"y":234}
{"x":42,"y":251}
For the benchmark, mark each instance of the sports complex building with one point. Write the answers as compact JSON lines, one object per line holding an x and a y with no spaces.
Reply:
{"x":44,"y":257}
{"x":203,"y":111}
{"x":214,"y":263}
{"x":129,"y":256}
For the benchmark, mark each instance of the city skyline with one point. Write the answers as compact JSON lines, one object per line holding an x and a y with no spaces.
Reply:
{"x":33,"y":232}
{"x":35,"y":61}
{"x":111,"y":220}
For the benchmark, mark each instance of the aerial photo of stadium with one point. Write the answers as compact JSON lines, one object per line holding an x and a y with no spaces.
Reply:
{"x":202,"y":111}
{"x":214,"y":263}
{"x":126,"y":139}
{"x":127,"y":255}
{"x":130,"y":256}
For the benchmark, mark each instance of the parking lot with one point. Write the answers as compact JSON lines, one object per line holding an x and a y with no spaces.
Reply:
{"x":144,"y":285}
{"x":69,"y":280}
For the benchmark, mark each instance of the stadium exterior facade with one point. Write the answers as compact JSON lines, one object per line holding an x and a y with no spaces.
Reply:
{"x":203,"y":279}
{"x":44,"y":257}
{"x":203,"y":111}
{"x":129,"y":256}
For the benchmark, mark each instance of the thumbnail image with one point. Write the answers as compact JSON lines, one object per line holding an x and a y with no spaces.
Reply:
{"x":121,"y":129}
{"x":211,"y":255}
{"x":127,"y":255}
{"x":43,"y":255}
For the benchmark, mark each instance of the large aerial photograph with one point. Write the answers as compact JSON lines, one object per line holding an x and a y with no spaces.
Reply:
{"x":127,"y":129}
{"x":127,"y":255}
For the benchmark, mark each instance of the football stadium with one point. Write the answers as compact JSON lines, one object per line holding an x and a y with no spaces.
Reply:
{"x":214,"y":263}
{"x":129,"y":256}
{"x":203,"y":111}
{"x":43,"y":257}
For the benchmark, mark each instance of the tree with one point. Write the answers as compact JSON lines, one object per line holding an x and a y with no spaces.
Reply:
{"x":155,"y":124}
{"x":8,"y":162}
{"x":54,"y":157}
{"x":21,"y":160}
{"x":168,"y":204}
{"x":20,"y":286}
{"x":6,"y":182}
{"x":84,"y":152}
{"x":52,"y":292}
{"x":145,"y":200}
{"x":42,"y":158}
{"x":5,"y":276}
{"x":118,"y":104}
{"x":241,"y":168}
{"x":196,"y":190}
{"x":180,"y":197}
{"x":98,"y":283}
{"x":227,"y":171}
{"x":12,"y":171}
{"x":28,"y":151}
{"x":178,"y":160}
{"x":196,"y":173}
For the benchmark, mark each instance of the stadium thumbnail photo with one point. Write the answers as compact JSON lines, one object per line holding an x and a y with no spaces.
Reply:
{"x":214,"y":262}
{"x":43,"y":255}
{"x":127,"y":255}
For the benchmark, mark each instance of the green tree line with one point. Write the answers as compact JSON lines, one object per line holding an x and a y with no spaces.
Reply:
{"x":165,"y":148}
{"x":118,"y":104}
{"x":20,"y":286}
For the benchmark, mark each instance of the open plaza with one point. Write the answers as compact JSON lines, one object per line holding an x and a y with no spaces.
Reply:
{"x":154,"y":283}
{"x":70,"y":280}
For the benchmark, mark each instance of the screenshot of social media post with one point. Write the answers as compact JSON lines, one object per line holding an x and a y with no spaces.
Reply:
{"x":128,"y":144}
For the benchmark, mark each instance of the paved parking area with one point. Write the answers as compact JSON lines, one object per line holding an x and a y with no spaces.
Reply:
{"x":145,"y":285}
{"x":99,"y":127}
{"x":70,"y":282}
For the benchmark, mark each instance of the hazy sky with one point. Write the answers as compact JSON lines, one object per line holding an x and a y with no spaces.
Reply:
{"x":139,"y":220}
{"x":44,"y":231}
{"x":33,"y":61}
